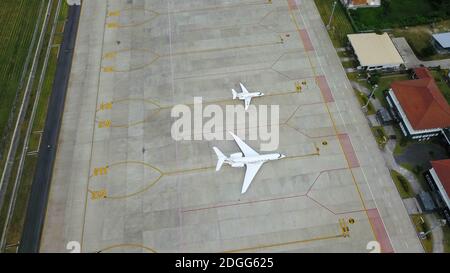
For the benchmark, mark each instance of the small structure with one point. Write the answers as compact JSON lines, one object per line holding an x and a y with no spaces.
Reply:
{"x":418,"y":106}
{"x":438,"y":178}
{"x":384,"y":117}
{"x":426,"y":202}
{"x":375,"y":51}
{"x":441,"y":42}
{"x":354,"y":4}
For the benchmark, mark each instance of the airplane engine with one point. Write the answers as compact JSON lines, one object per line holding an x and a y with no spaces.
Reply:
{"x":236,"y":155}
{"x":237,"y":165}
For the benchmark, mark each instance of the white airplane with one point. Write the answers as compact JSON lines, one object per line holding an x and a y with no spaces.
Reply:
{"x":245,"y":95}
{"x":249,"y":157}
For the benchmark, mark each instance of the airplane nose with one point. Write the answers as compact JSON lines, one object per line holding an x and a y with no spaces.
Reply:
{"x":282,"y":156}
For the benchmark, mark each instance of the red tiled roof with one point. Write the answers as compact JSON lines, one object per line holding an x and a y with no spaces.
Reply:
{"x":423,"y":102}
{"x":442,"y":169}
{"x":422,"y":73}
{"x":359,"y":2}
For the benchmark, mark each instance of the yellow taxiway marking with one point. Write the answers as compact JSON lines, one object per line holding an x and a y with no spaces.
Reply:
{"x":336,"y":132}
{"x":104,"y":123}
{"x":128,"y":246}
{"x":108,"y":69}
{"x":114,"y":13}
{"x":250,"y":249}
{"x":112,"y":25}
{"x":344,"y":228}
{"x":102,"y":194}
{"x":110,"y":55}
{"x":99,"y":194}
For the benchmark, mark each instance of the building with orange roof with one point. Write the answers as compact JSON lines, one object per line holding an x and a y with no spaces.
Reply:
{"x":419,"y":106}
{"x":438,"y":178}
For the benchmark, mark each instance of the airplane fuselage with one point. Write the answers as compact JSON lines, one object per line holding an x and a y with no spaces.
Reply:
{"x":243,"y":96}
{"x":238,"y":159}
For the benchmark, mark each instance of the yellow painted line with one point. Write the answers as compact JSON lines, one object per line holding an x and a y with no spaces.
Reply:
{"x":99,"y":194}
{"x":292,"y":115}
{"x":114,"y":13}
{"x":149,"y":101}
{"x":303,"y":156}
{"x":151,"y":184}
{"x":219,"y":49}
{"x":154,"y":15}
{"x":108,"y":69}
{"x":137,"y":163}
{"x":336,"y":133}
{"x":110,"y":55}
{"x":151,"y":250}
{"x":250,"y":249}
{"x":189,"y":170}
{"x":104,"y":124}
{"x":112,"y":25}
{"x":136,"y":193}
{"x":344,"y":228}
{"x":138,"y":67}
{"x":257,"y":3}
{"x":156,"y":112}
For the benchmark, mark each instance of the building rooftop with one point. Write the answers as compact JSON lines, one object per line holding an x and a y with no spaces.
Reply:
{"x":363,"y":2}
{"x":442,"y":169}
{"x":422,"y":73}
{"x":374,"y":49}
{"x":422,"y":102}
{"x":443,"y":39}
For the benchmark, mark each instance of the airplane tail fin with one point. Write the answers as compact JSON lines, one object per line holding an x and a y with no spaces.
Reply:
{"x":234,"y":94}
{"x":220,"y":158}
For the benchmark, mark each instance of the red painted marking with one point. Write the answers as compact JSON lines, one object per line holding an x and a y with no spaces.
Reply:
{"x":307,"y":44}
{"x":324,"y":88}
{"x":348,"y":150}
{"x":380,"y":231}
{"x":292,"y":4}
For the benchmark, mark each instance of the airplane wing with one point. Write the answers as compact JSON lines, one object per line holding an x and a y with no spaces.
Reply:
{"x":247,"y":150}
{"x":250,"y":173}
{"x":247,"y":102}
{"x":244,"y":90}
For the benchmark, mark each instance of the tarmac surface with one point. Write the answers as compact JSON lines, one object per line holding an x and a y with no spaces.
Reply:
{"x":121,"y":183}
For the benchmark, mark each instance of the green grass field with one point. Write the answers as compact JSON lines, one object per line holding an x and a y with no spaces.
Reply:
{"x":402,"y":184}
{"x":398,"y":13}
{"x":443,"y":86}
{"x":340,"y":26}
{"x":16,"y":224}
{"x":423,"y":226}
{"x":18,"y":19}
{"x":446,"y":231}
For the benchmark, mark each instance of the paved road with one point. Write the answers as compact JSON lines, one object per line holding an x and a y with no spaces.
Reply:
{"x":411,"y":60}
{"x":39,"y":192}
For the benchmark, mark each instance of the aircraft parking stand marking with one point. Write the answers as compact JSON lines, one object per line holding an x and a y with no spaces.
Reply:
{"x":249,"y":249}
{"x":109,"y":105}
{"x":105,"y":123}
{"x":148,"y":249}
{"x":103,"y":171}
